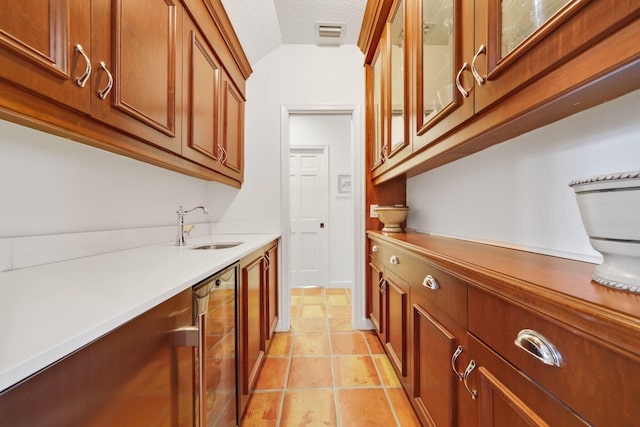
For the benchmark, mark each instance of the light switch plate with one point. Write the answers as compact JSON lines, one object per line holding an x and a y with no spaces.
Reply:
{"x":372,"y":211}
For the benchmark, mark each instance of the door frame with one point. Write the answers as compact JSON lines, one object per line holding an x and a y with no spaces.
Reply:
{"x":358,"y":314}
{"x":323,"y":150}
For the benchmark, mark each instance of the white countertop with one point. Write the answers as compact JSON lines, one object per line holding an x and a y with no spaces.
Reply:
{"x":49,"y":311}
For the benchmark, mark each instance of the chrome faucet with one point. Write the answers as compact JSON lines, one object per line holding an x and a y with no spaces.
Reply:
{"x":180,"y":240}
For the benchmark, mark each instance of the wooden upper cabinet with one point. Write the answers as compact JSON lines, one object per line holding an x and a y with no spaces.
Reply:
{"x":137,"y":54}
{"x":201,"y":132}
{"x":443,"y":84}
{"x":46,"y":49}
{"x":518,"y":42}
{"x":231,"y":146}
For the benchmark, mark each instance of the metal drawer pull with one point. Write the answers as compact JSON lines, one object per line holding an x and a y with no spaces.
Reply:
{"x":374,"y":248}
{"x":464,"y":92}
{"x":457,"y":353}
{"x":394,"y":260}
{"x":481,"y":80}
{"x":467,"y":372}
{"x":431,"y":283}
{"x":539,"y":347}
{"x":104,"y":92}
{"x":82,"y":80}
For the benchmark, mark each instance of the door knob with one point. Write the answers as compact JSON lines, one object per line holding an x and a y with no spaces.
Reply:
{"x":322,"y":225}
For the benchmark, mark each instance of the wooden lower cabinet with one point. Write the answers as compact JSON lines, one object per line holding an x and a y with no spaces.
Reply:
{"x":396,"y":298}
{"x":376,"y":299}
{"x":251,"y":342}
{"x":132,"y":376}
{"x":271,"y":293}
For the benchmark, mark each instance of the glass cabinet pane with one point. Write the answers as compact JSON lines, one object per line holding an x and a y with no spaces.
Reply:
{"x":396,"y":61}
{"x":376,"y":79}
{"x":521,"y":18}
{"x":437,"y":56}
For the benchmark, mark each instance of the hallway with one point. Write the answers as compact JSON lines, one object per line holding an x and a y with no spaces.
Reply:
{"x":323,"y":372}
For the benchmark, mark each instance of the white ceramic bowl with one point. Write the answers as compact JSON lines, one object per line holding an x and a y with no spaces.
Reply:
{"x":610,"y":210}
{"x":392,"y":217}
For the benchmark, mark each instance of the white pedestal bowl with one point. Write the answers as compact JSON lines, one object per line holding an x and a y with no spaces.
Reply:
{"x":392,"y":217}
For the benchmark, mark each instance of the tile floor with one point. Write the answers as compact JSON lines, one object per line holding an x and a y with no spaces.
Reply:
{"x":324,"y":373}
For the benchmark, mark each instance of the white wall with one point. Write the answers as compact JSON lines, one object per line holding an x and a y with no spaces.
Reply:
{"x":62,"y":199}
{"x":289,"y":75}
{"x":516,"y":193}
{"x":334,"y":131}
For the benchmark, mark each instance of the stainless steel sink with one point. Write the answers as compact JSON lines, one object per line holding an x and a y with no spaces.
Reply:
{"x":208,"y":246}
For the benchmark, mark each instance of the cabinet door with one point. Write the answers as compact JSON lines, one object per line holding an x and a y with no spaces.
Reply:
{"x":397,"y":312}
{"x":376,"y":297}
{"x":137,"y":56}
{"x":251,"y":326}
{"x":376,"y":113}
{"x":231,"y":147}
{"x":434,"y":381}
{"x":131,"y":377}
{"x":201,"y":131}
{"x":443,"y":83}
{"x":45,"y":47}
{"x":518,"y":41}
{"x":271,"y":293}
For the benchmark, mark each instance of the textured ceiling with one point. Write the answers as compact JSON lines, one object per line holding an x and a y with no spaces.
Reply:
{"x":263,"y":25}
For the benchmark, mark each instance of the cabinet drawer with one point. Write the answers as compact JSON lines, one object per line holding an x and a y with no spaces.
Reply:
{"x":598,"y":383}
{"x":441,"y":289}
{"x":378,"y":253}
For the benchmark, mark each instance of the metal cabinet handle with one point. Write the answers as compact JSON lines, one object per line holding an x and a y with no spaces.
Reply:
{"x":219,"y":158}
{"x":539,"y":347}
{"x":464,"y":92}
{"x":202,"y":354}
{"x":374,"y":248}
{"x":82,"y":80}
{"x":454,"y":358}
{"x":266,"y":262}
{"x":431,"y":283}
{"x":381,"y":285}
{"x":383,"y":153}
{"x":104,"y":92}
{"x":187,"y":336}
{"x":394,"y":260}
{"x":222,"y":158}
{"x":465,"y":376}
{"x":481,"y":80}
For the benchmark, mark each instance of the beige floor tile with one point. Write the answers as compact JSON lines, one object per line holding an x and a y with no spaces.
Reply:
{"x":312,"y":312}
{"x":337,"y":300}
{"x":348,"y":343}
{"x":296,"y":291}
{"x":402,"y":407}
{"x":312,"y":300}
{"x":387,"y":373}
{"x":364,"y":407}
{"x":295,"y":300}
{"x":263,"y":409}
{"x":311,"y":345}
{"x":374,"y":343}
{"x":340,"y":324}
{"x":273,"y":375}
{"x":309,"y":408}
{"x":334,"y":311}
{"x":355,"y":371}
{"x":311,"y":326}
{"x":335,"y":291}
{"x":308,"y":292}
{"x":310,"y":372}
{"x":281,"y":345}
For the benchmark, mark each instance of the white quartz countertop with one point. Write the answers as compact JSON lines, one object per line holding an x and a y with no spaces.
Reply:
{"x":50,"y":311}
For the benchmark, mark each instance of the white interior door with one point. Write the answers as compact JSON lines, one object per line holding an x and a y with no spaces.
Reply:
{"x":309,"y":212}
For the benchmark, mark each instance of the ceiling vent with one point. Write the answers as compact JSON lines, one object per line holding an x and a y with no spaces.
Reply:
{"x":330,"y":34}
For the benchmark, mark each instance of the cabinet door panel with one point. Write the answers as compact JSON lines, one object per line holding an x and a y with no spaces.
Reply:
{"x":232,"y":140}
{"x":252,"y":331}
{"x":271,"y":298}
{"x":397,"y":308}
{"x":433,"y":378}
{"x":376,"y":297}
{"x":38,"y":52}
{"x":444,"y":46}
{"x":201,"y":90}
{"x":138,"y":44}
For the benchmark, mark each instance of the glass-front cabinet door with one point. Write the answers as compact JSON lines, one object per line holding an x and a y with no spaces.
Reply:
{"x":376,"y":111}
{"x":519,"y":41}
{"x":443,"y":33}
{"x":398,"y":135}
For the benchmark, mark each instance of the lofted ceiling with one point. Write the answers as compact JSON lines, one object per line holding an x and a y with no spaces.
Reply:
{"x":263,"y":25}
